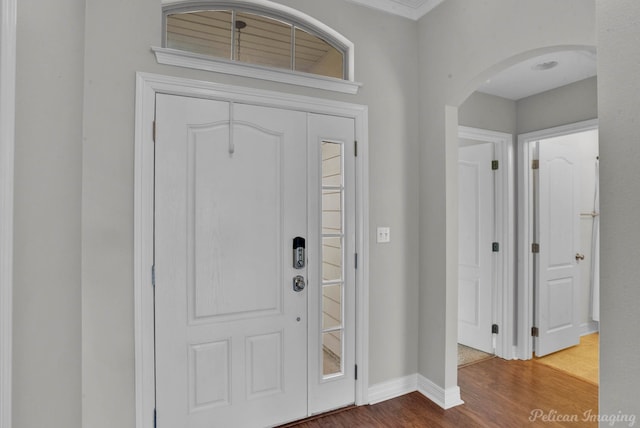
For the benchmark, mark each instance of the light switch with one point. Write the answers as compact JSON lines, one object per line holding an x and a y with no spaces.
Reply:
{"x":384,"y":235}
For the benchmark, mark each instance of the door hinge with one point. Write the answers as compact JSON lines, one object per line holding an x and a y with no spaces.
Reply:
{"x":356,"y":371}
{"x":495,"y":165}
{"x":495,"y":247}
{"x":154,"y":131}
{"x":355,"y":262}
{"x":355,"y":148}
{"x":153,"y":275}
{"x":535,"y":164}
{"x":495,"y":329}
{"x":535,"y":248}
{"x":534,"y":331}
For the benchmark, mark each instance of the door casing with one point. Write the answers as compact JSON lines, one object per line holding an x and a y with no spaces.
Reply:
{"x":524,"y":348}
{"x":147,"y":86}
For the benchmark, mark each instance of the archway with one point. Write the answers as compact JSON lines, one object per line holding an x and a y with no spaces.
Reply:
{"x":515,"y":292}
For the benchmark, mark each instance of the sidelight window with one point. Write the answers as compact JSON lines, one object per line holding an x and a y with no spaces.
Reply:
{"x":332,"y":258}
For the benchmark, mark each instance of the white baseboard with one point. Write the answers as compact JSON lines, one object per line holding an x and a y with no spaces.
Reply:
{"x":396,"y":387}
{"x":393,"y":388}
{"x":589,"y":327}
{"x":445,"y":398}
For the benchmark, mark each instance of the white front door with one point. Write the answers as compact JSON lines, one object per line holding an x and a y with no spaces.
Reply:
{"x":232,"y":192}
{"x":475,"y":236}
{"x":557,"y":285}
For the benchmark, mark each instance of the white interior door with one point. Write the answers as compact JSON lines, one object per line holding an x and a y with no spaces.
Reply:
{"x":557,"y":284}
{"x":231,"y":332}
{"x":475,"y":236}
{"x":236,"y":344}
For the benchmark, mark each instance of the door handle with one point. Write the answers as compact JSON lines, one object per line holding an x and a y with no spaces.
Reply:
{"x":298,"y":283}
{"x":579,"y":256}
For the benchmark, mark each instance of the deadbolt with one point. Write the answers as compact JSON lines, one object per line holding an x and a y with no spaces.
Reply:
{"x":298,"y":283}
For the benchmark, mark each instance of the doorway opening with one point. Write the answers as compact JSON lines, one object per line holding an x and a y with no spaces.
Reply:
{"x":322,"y":186}
{"x":486,"y":244}
{"x":559,"y":206}
{"x":515,"y":110}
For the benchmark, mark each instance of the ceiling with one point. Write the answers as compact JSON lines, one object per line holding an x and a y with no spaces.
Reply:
{"x":531,"y":77}
{"x":521,"y":80}
{"x":413,"y":9}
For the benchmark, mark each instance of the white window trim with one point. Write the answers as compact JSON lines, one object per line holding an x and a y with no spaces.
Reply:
{"x":204,"y":62}
{"x":7,"y":137}
{"x":147,"y":85}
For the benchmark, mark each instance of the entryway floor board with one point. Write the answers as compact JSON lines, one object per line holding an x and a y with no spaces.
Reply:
{"x":496,"y":392}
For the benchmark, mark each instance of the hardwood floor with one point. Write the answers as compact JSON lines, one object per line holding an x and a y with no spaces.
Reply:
{"x":496,"y":392}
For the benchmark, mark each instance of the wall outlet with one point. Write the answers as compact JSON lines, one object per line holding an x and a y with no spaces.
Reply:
{"x":384,"y":235}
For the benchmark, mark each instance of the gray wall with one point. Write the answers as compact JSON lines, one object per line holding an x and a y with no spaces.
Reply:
{"x":572,"y":103}
{"x":462,"y":44}
{"x":618,"y":109}
{"x":385,"y":62}
{"x":490,"y":112}
{"x":569,"y":104}
{"x":73,"y":326}
{"x":48,"y":162}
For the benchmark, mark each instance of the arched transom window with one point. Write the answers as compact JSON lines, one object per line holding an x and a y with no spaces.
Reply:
{"x":253,"y":33}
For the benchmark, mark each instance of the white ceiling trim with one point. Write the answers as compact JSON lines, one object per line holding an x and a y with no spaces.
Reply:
{"x":412,"y":9}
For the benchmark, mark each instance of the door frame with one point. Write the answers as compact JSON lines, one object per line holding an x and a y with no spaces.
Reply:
{"x":147,"y":86}
{"x":8,"y":20}
{"x":524,"y":348}
{"x":504,"y":233}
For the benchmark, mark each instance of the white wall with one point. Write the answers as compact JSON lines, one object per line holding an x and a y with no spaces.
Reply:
{"x":463,"y":43}
{"x":618,"y":107}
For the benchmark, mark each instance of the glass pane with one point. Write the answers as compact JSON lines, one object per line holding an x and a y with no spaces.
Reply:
{"x":331,"y":164}
{"x":332,"y":353}
{"x":331,"y":306}
{"x":331,"y":259}
{"x":207,"y":33}
{"x":331,"y":211}
{"x":314,"y":55}
{"x":263,"y":41}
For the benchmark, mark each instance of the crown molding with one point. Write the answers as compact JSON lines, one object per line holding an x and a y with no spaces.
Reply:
{"x":412,"y":9}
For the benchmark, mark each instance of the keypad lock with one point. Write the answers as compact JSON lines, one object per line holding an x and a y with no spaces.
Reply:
{"x":298,"y":252}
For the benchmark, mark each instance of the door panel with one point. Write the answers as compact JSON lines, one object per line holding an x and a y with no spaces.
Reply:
{"x":220,"y":226}
{"x":231,"y":333}
{"x":557,"y":290}
{"x":475,"y":236}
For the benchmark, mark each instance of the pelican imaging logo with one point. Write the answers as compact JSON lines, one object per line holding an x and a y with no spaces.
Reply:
{"x":539,"y":415}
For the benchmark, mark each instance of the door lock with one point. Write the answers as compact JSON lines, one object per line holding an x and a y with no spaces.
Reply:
{"x":298,"y":283}
{"x":298,"y":252}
